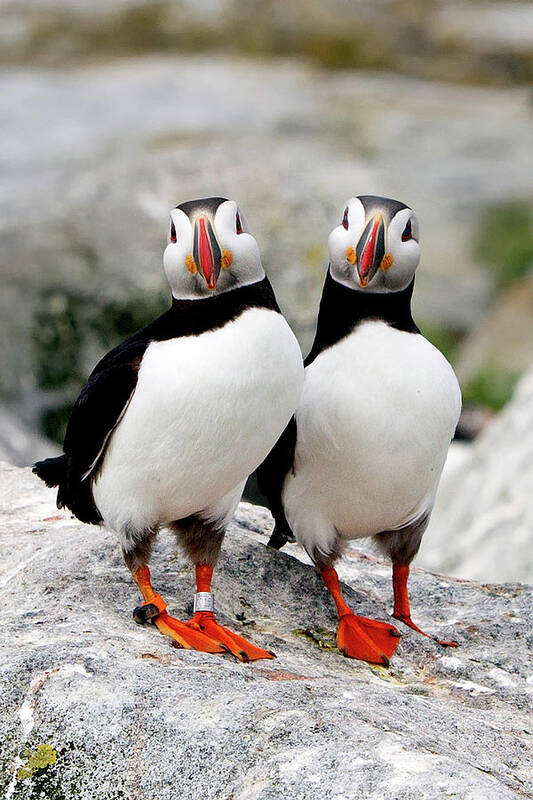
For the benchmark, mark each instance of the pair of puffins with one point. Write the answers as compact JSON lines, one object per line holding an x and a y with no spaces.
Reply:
{"x":348,"y":444}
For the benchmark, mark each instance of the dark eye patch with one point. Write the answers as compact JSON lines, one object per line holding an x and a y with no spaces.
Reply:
{"x":345,"y":218}
{"x":407,"y":232}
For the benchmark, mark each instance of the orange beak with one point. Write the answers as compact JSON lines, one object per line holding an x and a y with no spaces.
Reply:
{"x":206,"y":251}
{"x":370,"y":249}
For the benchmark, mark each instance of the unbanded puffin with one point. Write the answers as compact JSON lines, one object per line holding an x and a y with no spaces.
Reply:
{"x":363,"y":454}
{"x":173,"y":420}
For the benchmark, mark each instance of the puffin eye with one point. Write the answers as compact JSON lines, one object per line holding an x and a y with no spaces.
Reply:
{"x":238,"y":223}
{"x":173,"y":236}
{"x":345,"y":218}
{"x":407,"y":232}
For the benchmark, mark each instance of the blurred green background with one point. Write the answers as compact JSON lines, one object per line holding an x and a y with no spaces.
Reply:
{"x":113,"y":112}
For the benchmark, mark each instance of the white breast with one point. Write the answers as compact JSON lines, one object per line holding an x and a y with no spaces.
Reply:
{"x":377,"y":413}
{"x":205,"y":412}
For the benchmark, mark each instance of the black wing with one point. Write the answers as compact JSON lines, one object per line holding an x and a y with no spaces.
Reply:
{"x":96,"y":413}
{"x":104,"y":399}
{"x":270,"y":479}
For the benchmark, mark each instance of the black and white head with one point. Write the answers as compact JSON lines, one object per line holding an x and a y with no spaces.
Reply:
{"x":375,"y":248}
{"x":210,"y":249}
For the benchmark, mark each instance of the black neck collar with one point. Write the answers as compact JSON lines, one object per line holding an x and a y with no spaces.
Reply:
{"x":342,"y":309}
{"x":193,"y":317}
{"x":259,"y":293}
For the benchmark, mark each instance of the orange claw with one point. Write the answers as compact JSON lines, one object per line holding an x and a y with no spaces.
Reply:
{"x":205,"y":622}
{"x":185,"y":636}
{"x":154,"y":608}
{"x":410,"y":624}
{"x":402,"y":611}
{"x":202,"y":632}
{"x":360,"y":637}
{"x":367,"y":639}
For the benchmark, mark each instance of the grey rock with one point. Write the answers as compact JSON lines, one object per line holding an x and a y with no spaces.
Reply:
{"x":487,"y":41}
{"x":503,"y":339}
{"x":122,"y":714}
{"x":482,"y":525}
{"x":487,"y":26}
{"x":19,"y":443}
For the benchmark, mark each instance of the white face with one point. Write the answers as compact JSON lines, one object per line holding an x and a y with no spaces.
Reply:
{"x":375,"y":248}
{"x":210,"y":253}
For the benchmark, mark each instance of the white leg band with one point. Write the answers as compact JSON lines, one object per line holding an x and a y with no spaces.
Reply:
{"x":204,"y":601}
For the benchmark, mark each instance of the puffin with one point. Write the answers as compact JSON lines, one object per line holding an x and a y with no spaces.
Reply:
{"x":363,"y":454}
{"x":173,"y":420}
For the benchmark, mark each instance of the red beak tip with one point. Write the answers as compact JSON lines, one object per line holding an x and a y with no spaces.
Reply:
{"x":206,"y":255}
{"x":368,"y":254}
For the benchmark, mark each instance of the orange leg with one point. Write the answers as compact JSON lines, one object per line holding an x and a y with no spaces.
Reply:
{"x":359,"y":637}
{"x":154,"y":608}
{"x":204,"y":621}
{"x":402,"y":611}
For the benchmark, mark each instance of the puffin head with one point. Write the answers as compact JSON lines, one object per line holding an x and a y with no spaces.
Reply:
{"x":375,"y":248}
{"x":209,"y":249}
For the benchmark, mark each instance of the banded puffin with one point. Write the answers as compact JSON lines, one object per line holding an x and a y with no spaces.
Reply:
{"x":363,"y":454}
{"x":173,"y":420}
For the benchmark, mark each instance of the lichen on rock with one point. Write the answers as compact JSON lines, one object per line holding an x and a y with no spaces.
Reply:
{"x":43,"y":757}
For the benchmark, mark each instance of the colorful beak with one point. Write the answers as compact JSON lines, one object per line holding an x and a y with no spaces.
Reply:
{"x":370,"y":249}
{"x":206,"y":251}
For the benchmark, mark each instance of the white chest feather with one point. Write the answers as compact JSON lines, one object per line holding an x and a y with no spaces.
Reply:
{"x":205,"y":412}
{"x":377,"y":413}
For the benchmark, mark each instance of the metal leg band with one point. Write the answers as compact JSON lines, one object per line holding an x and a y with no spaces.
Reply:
{"x":204,"y":601}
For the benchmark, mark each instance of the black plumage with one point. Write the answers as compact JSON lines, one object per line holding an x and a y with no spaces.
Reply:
{"x":341,"y":310}
{"x":364,"y":451}
{"x":111,"y":384}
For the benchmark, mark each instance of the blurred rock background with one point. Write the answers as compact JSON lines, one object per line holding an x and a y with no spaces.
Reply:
{"x":114,"y":111}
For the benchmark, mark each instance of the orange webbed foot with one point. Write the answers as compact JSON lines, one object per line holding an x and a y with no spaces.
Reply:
{"x":367,"y":639}
{"x":402,"y":610}
{"x":205,"y":622}
{"x":360,"y":637}
{"x":178,"y":631}
{"x":155,"y":610}
{"x":202,"y":632}
{"x":409,"y":622}
{"x":187,"y":637}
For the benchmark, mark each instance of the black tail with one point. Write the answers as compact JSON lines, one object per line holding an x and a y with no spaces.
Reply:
{"x":52,"y":471}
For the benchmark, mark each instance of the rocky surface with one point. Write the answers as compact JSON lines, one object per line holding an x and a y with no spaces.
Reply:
{"x":488,"y":41}
{"x":19,"y":444}
{"x":503,"y":339}
{"x":482,"y":525}
{"x":96,"y":707}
